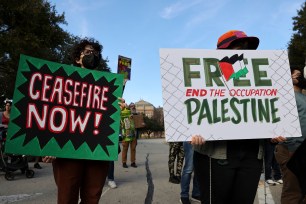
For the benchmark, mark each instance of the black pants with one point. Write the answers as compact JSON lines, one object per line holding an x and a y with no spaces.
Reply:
{"x":233,"y":181}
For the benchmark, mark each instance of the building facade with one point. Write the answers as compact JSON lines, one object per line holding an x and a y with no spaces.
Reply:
{"x":144,"y":107}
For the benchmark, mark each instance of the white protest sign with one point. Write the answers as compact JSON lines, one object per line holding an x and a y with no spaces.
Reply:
{"x":227,"y":94}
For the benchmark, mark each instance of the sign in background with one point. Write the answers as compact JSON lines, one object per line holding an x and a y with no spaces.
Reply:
{"x":124,"y":67}
{"x":64,"y":111}
{"x":227,"y":94}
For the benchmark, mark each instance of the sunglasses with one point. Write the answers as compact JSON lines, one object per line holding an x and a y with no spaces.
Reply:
{"x":88,"y":52}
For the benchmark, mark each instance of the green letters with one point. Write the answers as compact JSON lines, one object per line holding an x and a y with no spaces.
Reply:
{"x":209,"y":75}
{"x":188,"y":74}
{"x":259,"y":74}
{"x":217,"y":111}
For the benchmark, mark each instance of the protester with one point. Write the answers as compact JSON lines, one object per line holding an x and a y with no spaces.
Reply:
{"x":111,"y":171}
{"x":176,"y":152}
{"x":273,"y":173}
{"x":5,"y":115}
{"x":229,"y":171}
{"x":186,"y":177}
{"x":297,"y":165}
{"x":132,"y":107}
{"x":128,"y":137}
{"x":292,"y":192}
{"x":110,"y":175}
{"x":36,"y":163}
{"x":5,"y":118}
{"x":77,"y":177}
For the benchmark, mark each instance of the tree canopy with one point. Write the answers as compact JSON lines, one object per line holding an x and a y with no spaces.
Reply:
{"x":31,"y":27}
{"x":297,"y":44}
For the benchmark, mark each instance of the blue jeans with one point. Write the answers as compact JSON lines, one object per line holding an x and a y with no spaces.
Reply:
{"x":111,"y":168}
{"x":270,"y":162}
{"x":187,"y":171}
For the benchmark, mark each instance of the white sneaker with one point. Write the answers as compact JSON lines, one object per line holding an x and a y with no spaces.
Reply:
{"x":280,"y":181}
{"x":270,"y":182}
{"x":112,"y":184}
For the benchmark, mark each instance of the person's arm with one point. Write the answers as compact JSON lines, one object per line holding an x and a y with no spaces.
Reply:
{"x":48,"y":159}
{"x":278,"y":139}
{"x":197,"y":140}
{"x":3,"y":126}
{"x":122,"y":103}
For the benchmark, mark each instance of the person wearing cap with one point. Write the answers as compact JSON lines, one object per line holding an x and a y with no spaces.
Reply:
{"x":229,"y":171}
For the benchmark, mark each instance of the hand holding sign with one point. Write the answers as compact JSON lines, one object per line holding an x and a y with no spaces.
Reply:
{"x":197,"y":140}
{"x":48,"y":159}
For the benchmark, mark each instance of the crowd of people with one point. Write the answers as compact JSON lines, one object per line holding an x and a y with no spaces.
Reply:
{"x":222,"y":169}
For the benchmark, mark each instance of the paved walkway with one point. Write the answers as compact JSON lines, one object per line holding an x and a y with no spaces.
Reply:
{"x":146,"y":184}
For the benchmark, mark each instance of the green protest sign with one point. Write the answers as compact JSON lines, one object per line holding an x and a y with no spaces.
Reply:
{"x":227,"y":94}
{"x":64,"y":111}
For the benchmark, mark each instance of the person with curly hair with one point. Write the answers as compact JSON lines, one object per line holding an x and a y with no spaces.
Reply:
{"x":79,"y":178}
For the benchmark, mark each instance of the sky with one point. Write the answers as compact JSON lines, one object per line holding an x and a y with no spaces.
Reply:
{"x":137,"y":29}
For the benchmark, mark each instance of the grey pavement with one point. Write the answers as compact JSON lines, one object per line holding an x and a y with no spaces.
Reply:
{"x":146,"y":184}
